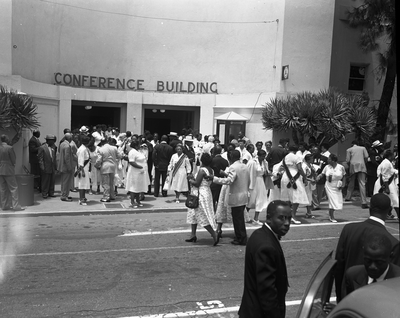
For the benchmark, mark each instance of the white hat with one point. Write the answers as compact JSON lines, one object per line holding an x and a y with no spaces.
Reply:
{"x":84,"y":129}
{"x":189,"y":138}
{"x":376,"y":143}
{"x":172,"y":133}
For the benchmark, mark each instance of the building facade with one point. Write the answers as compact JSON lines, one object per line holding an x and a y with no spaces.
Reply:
{"x":167,"y":65}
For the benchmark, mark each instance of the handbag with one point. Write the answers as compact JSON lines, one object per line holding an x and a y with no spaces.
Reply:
{"x":192,"y":201}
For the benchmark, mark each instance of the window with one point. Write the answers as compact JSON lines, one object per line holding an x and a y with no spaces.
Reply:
{"x":357,"y":78}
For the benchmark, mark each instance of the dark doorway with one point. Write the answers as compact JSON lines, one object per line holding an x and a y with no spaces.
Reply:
{"x":165,"y":120}
{"x":89,"y":113}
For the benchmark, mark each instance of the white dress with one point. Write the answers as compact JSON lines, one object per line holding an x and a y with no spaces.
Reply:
{"x":334,"y":194}
{"x":386,"y":170}
{"x":95,"y":176}
{"x":258,"y":192}
{"x":137,"y":180}
{"x":309,"y":187}
{"x":298,"y":195}
{"x":83,"y":182}
{"x":179,"y":180}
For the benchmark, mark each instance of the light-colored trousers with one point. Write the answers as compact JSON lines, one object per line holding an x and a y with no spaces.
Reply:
{"x":361,"y":177}
{"x":8,"y":192}
{"x":107,"y":182}
{"x":66,"y":180}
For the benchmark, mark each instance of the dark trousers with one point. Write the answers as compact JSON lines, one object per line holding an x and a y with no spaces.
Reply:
{"x":370,"y":185}
{"x":48,"y":183}
{"x":157,"y":175}
{"x":238,"y":224}
{"x":35,"y":170}
{"x":215,"y":191}
{"x":150,"y":167}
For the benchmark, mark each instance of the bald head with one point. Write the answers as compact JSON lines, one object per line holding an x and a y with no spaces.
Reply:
{"x":68,"y":136}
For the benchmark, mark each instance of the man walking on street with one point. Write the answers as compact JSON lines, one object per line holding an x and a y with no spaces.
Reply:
{"x":265,"y":274}
{"x":356,"y":157}
{"x":162,"y":154}
{"x":66,"y":166}
{"x":107,"y":156}
{"x":8,"y":182}
{"x":239,"y":181}
{"x":48,"y":166}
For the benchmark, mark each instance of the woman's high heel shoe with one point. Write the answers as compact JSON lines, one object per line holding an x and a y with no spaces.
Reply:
{"x":192,"y":239}
{"x":219,"y":233}
{"x":216,"y":239}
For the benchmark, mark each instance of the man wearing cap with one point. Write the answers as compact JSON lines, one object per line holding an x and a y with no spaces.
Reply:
{"x":34,"y":144}
{"x":66,"y":166}
{"x":356,"y":156}
{"x":8,"y":182}
{"x":48,"y":166}
{"x":374,"y":160}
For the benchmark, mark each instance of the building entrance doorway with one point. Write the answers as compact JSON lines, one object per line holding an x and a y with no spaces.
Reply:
{"x":91,"y":113}
{"x":164,"y":119}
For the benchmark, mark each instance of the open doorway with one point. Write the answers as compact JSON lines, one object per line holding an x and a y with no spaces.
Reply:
{"x":164,"y":119}
{"x":92,"y":113}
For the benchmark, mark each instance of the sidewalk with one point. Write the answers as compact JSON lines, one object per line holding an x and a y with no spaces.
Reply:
{"x":56,"y":207}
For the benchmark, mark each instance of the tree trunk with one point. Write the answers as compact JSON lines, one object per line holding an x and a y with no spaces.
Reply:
{"x":386,"y":98}
{"x":294,"y":137}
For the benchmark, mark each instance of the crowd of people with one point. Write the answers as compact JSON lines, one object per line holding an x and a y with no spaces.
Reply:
{"x":103,"y":159}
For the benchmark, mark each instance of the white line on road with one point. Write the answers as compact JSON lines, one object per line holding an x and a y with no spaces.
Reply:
{"x":150,"y":232}
{"x":203,"y":312}
{"x":191,"y":246}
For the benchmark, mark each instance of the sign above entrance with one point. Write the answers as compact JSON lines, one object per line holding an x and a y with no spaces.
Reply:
{"x":88,"y":81}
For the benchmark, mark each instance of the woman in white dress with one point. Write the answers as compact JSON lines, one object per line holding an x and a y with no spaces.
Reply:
{"x":137,"y":178}
{"x":82,"y":179}
{"x":260,"y":183}
{"x":388,"y":178}
{"x":178,"y":170}
{"x":310,"y":175}
{"x":293,"y":182}
{"x":334,"y":183}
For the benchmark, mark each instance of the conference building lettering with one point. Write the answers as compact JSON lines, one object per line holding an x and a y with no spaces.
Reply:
{"x":89,"y":81}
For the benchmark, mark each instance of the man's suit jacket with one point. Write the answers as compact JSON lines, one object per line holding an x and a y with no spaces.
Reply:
{"x":238,"y":180}
{"x":66,"y":163}
{"x":34,"y":144}
{"x":48,"y":164}
{"x":265,"y":277}
{"x":162,"y":154}
{"x":107,"y":156}
{"x":7,"y":160}
{"x":349,"y":251}
{"x":218,"y":163}
{"x":356,"y":276}
{"x":356,"y":157}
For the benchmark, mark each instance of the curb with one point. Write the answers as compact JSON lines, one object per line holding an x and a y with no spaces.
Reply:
{"x":91,"y":212}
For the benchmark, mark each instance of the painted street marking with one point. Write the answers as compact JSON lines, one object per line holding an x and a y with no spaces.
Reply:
{"x":145,"y":249}
{"x":206,"y":311}
{"x":150,"y":232}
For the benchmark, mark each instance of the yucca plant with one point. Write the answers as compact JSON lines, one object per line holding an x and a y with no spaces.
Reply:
{"x":17,"y":111}
{"x":328,"y":115}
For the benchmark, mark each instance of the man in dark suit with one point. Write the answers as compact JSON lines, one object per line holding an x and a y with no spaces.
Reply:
{"x":377,"y":266}
{"x":188,"y":150}
{"x":349,"y":250}
{"x":173,"y":140}
{"x":265,"y":274}
{"x":48,"y":166}
{"x":238,"y":180}
{"x":66,"y":166}
{"x":33,"y":145}
{"x":162,"y":154}
{"x":218,"y":163}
